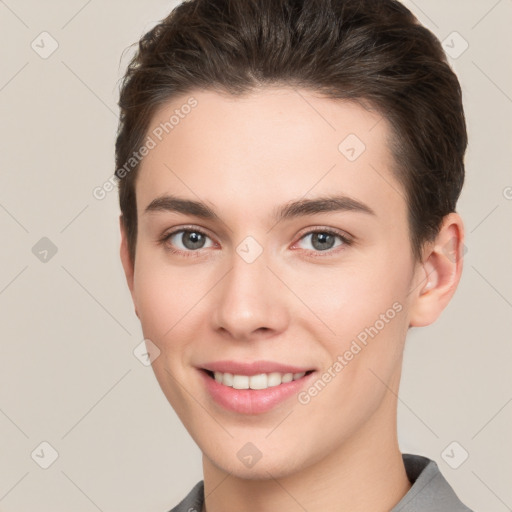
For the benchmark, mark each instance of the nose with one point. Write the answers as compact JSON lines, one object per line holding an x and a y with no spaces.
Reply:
{"x":250,"y":302}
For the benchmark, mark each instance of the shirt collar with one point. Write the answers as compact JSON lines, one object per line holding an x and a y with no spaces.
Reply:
{"x":430,"y":492}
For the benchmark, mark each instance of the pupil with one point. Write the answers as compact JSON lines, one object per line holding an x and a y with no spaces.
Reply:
{"x":325,"y":241}
{"x":192,"y":240}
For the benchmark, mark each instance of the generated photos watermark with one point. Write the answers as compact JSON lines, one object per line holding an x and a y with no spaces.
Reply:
{"x":343,"y":360}
{"x":152,"y":140}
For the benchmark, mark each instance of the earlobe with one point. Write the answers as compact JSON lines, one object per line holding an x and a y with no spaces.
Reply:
{"x":438,"y":275}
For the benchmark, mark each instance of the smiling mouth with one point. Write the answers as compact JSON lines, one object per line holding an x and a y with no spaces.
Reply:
{"x":255,"y":382}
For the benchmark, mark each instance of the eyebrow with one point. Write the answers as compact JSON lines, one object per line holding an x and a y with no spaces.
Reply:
{"x":293,"y":209}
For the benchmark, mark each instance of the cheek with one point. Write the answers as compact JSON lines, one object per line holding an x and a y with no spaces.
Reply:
{"x":161,"y":298}
{"x":155,"y":306}
{"x":171,"y":305}
{"x":349,"y":298}
{"x":364,"y":305}
{"x":165,"y":308}
{"x":369,"y":318}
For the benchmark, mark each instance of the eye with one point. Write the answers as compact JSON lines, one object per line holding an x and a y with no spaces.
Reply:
{"x":324,"y":240}
{"x":187,"y":240}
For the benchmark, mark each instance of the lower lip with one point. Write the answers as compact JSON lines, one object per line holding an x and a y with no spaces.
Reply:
{"x":252,"y":401}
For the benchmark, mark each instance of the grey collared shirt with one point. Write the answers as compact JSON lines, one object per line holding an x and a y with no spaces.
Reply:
{"x":430,"y":492}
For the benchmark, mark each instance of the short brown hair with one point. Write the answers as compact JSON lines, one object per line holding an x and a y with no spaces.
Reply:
{"x":371,"y":51}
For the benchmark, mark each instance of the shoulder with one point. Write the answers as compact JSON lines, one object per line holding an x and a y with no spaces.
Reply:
{"x":193,"y":501}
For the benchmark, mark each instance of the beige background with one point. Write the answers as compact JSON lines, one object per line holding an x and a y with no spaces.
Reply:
{"x":68,"y":375}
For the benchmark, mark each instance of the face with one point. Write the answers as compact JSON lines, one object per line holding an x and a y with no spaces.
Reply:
{"x":273,"y":252}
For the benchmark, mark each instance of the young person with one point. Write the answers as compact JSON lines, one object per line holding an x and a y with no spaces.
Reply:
{"x":288,"y":178}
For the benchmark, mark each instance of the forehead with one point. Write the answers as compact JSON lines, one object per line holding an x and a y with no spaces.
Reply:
{"x":268,"y":146}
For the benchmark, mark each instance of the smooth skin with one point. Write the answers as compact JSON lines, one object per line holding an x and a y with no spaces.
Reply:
{"x":298,"y":302}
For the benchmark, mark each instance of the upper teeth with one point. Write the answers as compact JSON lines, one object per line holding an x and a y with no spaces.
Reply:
{"x":260,"y":381}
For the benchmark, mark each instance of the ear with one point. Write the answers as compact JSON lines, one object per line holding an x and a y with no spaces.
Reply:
{"x":438,"y":274}
{"x":128,"y":265}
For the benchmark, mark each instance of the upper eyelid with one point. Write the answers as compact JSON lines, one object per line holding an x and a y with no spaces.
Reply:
{"x":339,"y":232}
{"x":186,"y":228}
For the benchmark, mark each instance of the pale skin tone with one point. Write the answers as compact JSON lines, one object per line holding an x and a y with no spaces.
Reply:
{"x":244,"y":158}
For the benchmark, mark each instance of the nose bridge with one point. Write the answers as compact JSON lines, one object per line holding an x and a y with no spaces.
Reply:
{"x":249,"y":298}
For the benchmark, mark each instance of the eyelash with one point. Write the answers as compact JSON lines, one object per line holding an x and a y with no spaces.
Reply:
{"x":195,"y":253}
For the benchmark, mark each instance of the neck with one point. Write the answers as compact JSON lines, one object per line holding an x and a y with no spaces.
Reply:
{"x":366,"y":473}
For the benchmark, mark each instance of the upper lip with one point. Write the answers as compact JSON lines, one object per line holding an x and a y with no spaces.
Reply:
{"x":252,"y":368}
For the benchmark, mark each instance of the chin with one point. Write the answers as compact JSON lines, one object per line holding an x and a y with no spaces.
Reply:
{"x":270,"y":462}
{"x":262,"y":470}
